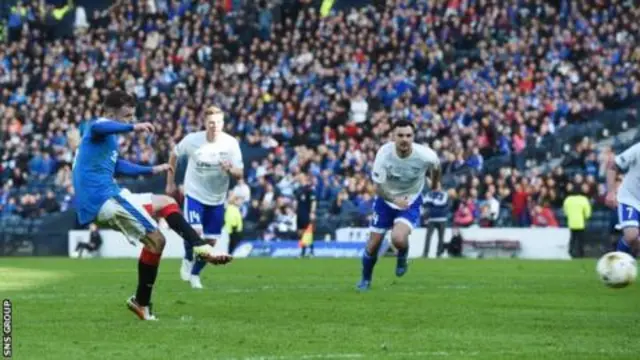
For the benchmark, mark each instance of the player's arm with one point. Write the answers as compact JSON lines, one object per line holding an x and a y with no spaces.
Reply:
{"x":179,"y":150}
{"x":127,"y":168}
{"x":235,"y":167}
{"x":434,"y":169}
{"x":108,"y":127}
{"x":435,"y":177}
{"x":616,"y":165}
{"x":171,"y":176}
{"x":236,"y":172}
{"x":314,"y":204}
{"x":379,"y":177}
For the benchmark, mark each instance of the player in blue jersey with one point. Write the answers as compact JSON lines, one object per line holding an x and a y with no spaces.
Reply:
{"x":437,"y":205}
{"x":100,"y":199}
{"x":399,"y":171}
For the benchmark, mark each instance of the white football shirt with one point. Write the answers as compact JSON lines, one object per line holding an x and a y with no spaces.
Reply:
{"x":205,"y":180}
{"x":403,"y":176}
{"x":629,"y":163}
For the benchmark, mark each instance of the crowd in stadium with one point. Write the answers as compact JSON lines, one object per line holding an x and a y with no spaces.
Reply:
{"x":478,"y":79}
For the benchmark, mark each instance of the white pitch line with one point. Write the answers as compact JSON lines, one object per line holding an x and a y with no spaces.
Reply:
{"x":386,"y":354}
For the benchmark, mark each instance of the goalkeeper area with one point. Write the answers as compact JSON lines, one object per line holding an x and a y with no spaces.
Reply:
{"x":294,"y":309}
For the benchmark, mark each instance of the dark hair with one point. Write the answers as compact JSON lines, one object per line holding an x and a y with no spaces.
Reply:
{"x":402,"y":123}
{"x":118,"y":99}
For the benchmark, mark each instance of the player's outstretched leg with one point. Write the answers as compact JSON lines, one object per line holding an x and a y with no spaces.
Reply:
{"x":629,"y":241}
{"x":195,"y":247}
{"x":400,"y":240}
{"x":148,"y":263}
{"x":369,"y":259}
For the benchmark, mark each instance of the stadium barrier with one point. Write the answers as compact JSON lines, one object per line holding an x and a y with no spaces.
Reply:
{"x":116,"y":245}
{"x":534,"y":243}
{"x":291,"y":249}
{"x":525,"y":243}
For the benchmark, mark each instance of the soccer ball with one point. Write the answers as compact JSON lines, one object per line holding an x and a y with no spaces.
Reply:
{"x":617,"y":269}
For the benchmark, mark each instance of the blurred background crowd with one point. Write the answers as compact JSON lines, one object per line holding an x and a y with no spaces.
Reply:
{"x":521,"y":99}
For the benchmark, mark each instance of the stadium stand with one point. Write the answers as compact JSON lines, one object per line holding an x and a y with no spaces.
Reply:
{"x":520,"y":98}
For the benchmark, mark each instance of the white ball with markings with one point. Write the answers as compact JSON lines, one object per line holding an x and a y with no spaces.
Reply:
{"x":617,"y":269}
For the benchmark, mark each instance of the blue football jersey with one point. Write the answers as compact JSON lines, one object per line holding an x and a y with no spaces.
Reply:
{"x":94,"y":167}
{"x":437,"y":204}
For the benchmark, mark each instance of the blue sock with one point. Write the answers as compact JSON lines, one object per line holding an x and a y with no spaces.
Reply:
{"x":197,"y":267}
{"x":368,"y":262}
{"x":402,"y":253}
{"x":624,"y":247}
{"x":188,"y":251}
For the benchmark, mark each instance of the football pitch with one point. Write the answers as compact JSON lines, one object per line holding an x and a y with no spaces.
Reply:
{"x":308,"y":309}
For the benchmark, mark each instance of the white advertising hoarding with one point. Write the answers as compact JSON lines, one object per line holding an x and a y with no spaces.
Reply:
{"x":535,"y":243}
{"x":115,"y":245}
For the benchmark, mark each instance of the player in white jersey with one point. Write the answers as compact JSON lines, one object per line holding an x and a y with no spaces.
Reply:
{"x":627,"y":198}
{"x":399,"y":172}
{"x":213,"y":156}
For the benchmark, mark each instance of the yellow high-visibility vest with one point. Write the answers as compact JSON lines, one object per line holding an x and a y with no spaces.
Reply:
{"x":326,"y":7}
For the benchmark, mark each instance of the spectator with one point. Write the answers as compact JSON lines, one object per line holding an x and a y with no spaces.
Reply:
{"x":437,"y":209}
{"x":313,"y":98}
{"x":519,"y":204}
{"x":9,"y":208}
{"x":233,"y":221}
{"x":455,"y":245}
{"x":284,"y":225}
{"x":577,"y":209}
{"x":50,"y":204}
{"x":94,"y":244}
{"x":492,"y":212}
{"x":463,"y":217}
{"x":243,"y":193}
{"x":28,"y":207}
{"x":543,"y":216}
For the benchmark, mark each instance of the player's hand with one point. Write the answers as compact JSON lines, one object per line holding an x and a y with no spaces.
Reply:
{"x":610,"y":200}
{"x":225,"y":165}
{"x":402,"y":203}
{"x":171,"y":188}
{"x":144,"y":127}
{"x":162,"y":168}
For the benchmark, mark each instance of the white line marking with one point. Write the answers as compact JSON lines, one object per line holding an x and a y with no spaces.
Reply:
{"x":386,"y":354}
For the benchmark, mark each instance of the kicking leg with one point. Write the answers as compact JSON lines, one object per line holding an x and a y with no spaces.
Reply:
{"x":167,"y":208}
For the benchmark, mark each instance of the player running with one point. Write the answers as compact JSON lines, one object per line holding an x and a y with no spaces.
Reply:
{"x":399,"y":174}
{"x":100,"y":200}
{"x":213,"y":156}
{"x":627,"y":198}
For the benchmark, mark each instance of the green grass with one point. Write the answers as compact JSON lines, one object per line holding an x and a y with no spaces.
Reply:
{"x":308,"y":309}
